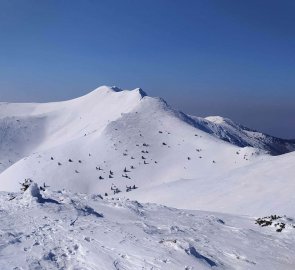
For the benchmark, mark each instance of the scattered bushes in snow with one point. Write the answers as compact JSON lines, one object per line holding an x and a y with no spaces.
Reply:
{"x":278,"y":222}
{"x":130,"y":188}
{"x":115,"y":189}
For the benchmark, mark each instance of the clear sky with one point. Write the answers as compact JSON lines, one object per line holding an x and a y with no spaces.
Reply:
{"x":219,"y":57}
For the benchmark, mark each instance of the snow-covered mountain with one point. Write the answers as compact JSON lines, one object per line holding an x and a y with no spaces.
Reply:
{"x":112,"y":141}
{"x":239,"y":135}
{"x":99,"y":151}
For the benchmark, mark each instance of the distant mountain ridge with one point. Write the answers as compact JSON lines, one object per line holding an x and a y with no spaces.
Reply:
{"x":229,"y":131}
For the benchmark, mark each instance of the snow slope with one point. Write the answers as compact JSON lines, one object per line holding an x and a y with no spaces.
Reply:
{"x":62,"y":230}
{"x":112,"y":140}
{"x":28,"y":128}
{"x":260,"y":188}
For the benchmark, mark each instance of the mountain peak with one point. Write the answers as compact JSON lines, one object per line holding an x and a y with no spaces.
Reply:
{"x":141,"y":92}
{"x":106,"y":89}
{"x":116,"y":89}
{"x":218,"y":119}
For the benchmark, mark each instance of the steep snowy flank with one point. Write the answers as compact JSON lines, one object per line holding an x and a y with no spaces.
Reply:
{"x":63,"y":230}
{"x":28,"y":128}
{"x":227,"y":130}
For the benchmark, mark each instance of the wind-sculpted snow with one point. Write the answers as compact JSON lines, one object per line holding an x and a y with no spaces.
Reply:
{"x":65,"y":230}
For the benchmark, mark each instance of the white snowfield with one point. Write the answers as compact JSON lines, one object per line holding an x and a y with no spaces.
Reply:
{"x":63,"y":230}
{"x":98,"y":151}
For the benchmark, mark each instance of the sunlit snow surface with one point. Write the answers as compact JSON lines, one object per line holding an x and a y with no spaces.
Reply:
{"x":63,"y":230}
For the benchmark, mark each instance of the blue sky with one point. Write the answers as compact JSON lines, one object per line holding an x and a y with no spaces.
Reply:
{"x":219,"y":57}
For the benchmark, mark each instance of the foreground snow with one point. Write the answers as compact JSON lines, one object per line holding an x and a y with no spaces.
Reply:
{"x":62,"y":230}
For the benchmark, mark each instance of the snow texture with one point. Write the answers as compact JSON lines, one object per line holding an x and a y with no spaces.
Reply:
{"x":78,"y":231}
